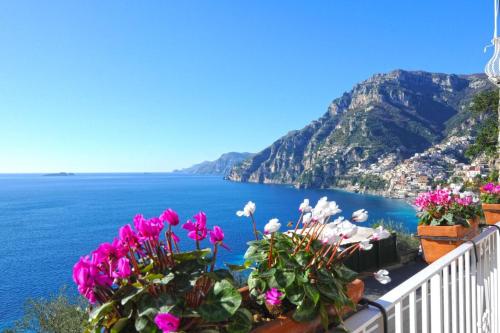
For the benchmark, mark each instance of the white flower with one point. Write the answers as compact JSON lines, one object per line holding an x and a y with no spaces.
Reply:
{"x":455,"y":188}
{"x":338,"y":220}
{"x":365,"y":245}
{"x":332,"y":209}
{"x":382,"y":276}
{"x":304,"y":206}
{"x":360,"y":215}
{"x":272,"y":226}
{"x":330,"y":235}
{"x":306,"y":219}
{"x":248,"y":210}
{"x":380,"y":233}
{"x":347,"y":229}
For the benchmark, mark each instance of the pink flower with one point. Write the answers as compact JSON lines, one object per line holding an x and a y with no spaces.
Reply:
{"x":148,"y":229}
{"x":87,"y":274}
{"x":489,"y":188}
{"x":465,"y":201}
{"x":440,"y":197}
{"x":170,"y":217}
{"x":273,"y":296}
{"x":128,"y":237}
{"x":167,"y":322}
{"x":197,"y":230}
{"x":217,"y":236}
{"x":123,"y":270}
{"x":175,"y":237}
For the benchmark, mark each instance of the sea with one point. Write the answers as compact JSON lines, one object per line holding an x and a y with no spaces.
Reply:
{"x":48,"y":222}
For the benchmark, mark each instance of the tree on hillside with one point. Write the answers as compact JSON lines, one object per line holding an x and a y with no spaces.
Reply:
{"x":485,"y":105}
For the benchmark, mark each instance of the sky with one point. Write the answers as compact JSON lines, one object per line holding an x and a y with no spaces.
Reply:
{"x":151,"y":86}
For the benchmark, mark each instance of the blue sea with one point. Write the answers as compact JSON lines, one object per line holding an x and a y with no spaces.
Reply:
{"x":47,"y":223}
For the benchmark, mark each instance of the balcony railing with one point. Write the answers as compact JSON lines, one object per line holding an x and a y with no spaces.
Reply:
{"x":458,"y":293}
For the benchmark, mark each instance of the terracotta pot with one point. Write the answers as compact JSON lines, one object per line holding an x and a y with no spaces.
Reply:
{"x":491,"y":213}
{"x":435,"y":249}
{"x":285,"y":323}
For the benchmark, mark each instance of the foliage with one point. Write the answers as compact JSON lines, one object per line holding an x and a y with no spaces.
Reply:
{"x":447,"y":207}
{"x":485,"y":104}
{"x":159,"y":288}
{"x":372,"y":182}
{"x":303,"y":271}
{"x":59,"y":313}
{"x":490,"y":193}
{"x":406,"y":241}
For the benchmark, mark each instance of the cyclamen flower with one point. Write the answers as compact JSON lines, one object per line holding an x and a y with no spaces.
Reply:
{"x":87,"y":274}
{"x":382,"y":276}
{"x":491,"y":188}
{"x":248,"y":210}
{"x":148,"y":229}
{"x":272,"y":226}
{"x":170,"y":216}
{"x":306,"y":219}
{"x":365,"y":245}
{"x":304,"y":206}
{"x":198,"y":229}
{"x":128,"y":237}
{"x":167,"y":322}
{"x":380,"y":233}
{"x":123,"y":270}
{"x":347,"y":229}
{"x":273,"y":296}
{"x":360,"y":215}
{"x":217,"y":236}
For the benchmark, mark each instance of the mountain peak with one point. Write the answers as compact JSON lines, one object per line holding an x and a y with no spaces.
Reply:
{"x":400,"y":112}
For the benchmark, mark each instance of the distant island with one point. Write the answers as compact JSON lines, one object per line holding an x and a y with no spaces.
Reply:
{"x":59,"y":174}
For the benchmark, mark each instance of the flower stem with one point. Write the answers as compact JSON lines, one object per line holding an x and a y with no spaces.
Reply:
{"x":254,"y":227}
{"x":270,"y":259}
{"x":212,"y":266}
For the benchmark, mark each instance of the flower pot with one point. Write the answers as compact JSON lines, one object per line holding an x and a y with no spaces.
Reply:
{"x":436,"y":248}
{"x":285,"y":323}
{"x":491,"y":213}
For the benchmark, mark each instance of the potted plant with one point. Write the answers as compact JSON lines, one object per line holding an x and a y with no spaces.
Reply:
{"x":490,"y":199}
{"x":298,"y":282}
{"x":141,"y":283}
{"x":448,"y":217}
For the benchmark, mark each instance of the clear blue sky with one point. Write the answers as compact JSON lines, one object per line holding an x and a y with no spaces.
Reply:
{"x":91,"y":86}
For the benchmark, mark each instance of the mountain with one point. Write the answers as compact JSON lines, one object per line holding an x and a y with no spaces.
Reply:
{"x":398,"y":114}
{"x":220,"y":166}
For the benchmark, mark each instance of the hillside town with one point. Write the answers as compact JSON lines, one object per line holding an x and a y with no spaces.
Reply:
{"x":424,"y":170}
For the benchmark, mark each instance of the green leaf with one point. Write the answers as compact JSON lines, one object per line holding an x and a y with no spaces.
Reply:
{"x":132,"y":295}
{"x":165,"y":279}
{"x":101,"y":311}
{"x":306,"y":311}
{"x":238,"y":268}
{"x":147,"y":268}
{"x":294,"y":294}
{"x":284,"y":278}
{"x":241,"y":322}
{"x":119,"y":325}
{"x":312,"y":293}
{"x":268,"y":273}
{"x":323,"y":314}
{"x":221,"y":302}
{"x":141,"y":323}
{"x":191,"y":255}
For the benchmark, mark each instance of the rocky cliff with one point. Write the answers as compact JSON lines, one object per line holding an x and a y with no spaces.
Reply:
{"x":398,"y":113}
{"x":220,"y":166}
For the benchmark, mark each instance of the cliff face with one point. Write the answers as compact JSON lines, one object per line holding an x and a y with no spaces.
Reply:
{"x":398,"y":113}
{"x":220,"y":166}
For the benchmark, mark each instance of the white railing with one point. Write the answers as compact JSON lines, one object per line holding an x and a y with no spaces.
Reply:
{"x":455,"y":294}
